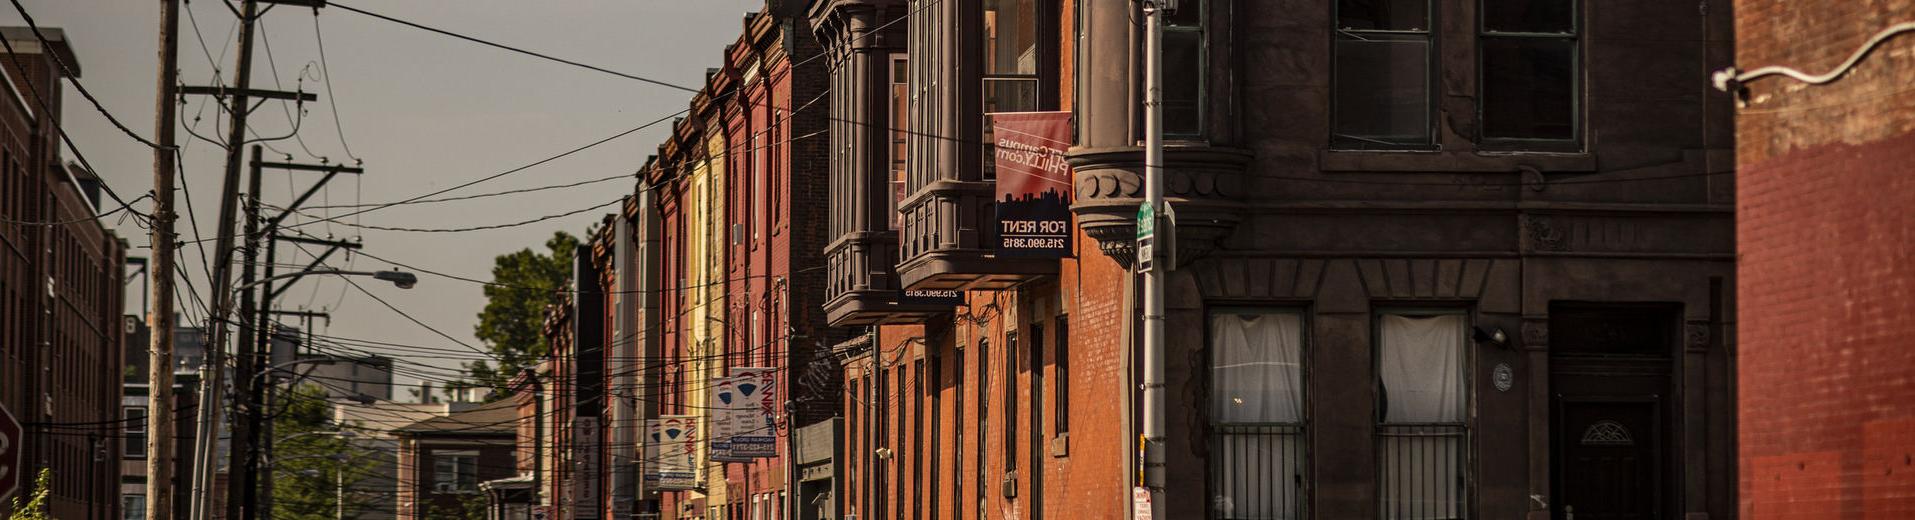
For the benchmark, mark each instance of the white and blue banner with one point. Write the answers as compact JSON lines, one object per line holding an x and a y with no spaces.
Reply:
{"x":676,"y":441}
{"x":751,"y":410}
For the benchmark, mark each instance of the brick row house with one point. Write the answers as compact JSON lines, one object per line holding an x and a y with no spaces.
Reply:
{"x":61,"y":358}
{"x":710,"y":265}
{"x":1433,"y":259}
{"x":1825,"y":216}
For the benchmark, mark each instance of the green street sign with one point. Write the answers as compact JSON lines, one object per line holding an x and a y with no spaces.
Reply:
{"x":1146,"y":221}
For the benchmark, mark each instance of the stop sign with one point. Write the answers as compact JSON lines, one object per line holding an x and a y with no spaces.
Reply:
{"x":9,"y":453}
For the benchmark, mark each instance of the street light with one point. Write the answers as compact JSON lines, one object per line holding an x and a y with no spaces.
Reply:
{"x":402,"y":279}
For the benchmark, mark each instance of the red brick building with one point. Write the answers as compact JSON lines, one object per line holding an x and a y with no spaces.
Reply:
{"x":61,"y":358}
{"x":1825,"y":218}
{"x":1434,"y":260}
{"x":709,"y":266}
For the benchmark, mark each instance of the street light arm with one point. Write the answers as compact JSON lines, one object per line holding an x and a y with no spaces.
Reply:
{"x":402,"y":279}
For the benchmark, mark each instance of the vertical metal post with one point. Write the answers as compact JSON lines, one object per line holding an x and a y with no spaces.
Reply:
{"x":1154,"y":278}
{"x":160,"y":466}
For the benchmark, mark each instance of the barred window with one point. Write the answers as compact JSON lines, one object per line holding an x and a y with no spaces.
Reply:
{"x":1422,"y":433}
{"x":1257,"y":463}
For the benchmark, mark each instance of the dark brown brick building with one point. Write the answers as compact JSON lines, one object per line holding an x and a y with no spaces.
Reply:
{"x":1435,"y":259}
{"x":1825,"y":215}
{"x":442,"y":460}
{"x":60,"y":289}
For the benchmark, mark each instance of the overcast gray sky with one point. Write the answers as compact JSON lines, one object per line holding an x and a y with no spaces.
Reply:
{"x":424,"y":111}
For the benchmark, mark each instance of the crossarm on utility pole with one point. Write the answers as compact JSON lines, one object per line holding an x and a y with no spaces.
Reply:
{"x":249,"y":92}
{"x":321,"y":260}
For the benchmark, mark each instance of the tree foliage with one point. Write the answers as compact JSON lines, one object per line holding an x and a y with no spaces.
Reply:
{"x":35,"y":507}
{"x":309,"y":459}
{"x":523,"y":284}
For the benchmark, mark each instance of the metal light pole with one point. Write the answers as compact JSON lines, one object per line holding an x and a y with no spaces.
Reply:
{"x":1154,"y":278}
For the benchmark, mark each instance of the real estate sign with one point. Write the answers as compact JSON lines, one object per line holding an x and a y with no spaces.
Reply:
{"x":676,"y":441}
{"x":1033,"y":183}
{"x":751,"y":412}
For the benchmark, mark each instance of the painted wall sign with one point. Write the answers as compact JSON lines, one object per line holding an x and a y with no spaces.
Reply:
{"x":1033,"y":183}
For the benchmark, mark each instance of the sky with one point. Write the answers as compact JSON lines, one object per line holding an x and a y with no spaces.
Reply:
{"x":423,"y":111}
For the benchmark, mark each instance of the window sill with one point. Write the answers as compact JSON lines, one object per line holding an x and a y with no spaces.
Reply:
{"x":1061,"y":445}
{"x":1453,"y":161}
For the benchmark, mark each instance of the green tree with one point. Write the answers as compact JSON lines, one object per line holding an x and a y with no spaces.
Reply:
{"x":523,"y":283}
{"x":467,"y":507}
{"x":35,"y":507}
{"x":308,"y":458}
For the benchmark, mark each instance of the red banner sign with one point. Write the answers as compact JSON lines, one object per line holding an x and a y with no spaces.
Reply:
{"x":1033,"y":183}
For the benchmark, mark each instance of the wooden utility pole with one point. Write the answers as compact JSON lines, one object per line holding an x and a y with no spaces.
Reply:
{"x":242,"y":474}
{"x":213,"y":382}
{"x":160,"y":466}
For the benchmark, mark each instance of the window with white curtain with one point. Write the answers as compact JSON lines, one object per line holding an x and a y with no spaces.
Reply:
{"x":1257,"y":418}
{"x":1422,"y":434}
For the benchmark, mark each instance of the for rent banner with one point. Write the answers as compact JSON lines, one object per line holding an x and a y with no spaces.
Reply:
{"x":676,"y":437}
{"x":1033,"y":183}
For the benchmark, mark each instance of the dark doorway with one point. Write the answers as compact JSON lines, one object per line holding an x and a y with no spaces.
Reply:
{"x":1607,"y":452}
{"x":1611,"y":369}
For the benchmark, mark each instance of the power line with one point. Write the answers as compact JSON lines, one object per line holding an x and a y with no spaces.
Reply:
{"x":471,"y":228}
{"x":567,"y":153}
{"x":73,"y":78}
{"x":332,"y":101}
{"x":548,"y":57}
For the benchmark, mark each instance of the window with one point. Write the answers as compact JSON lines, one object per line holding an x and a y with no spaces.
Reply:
{"x":1061,"y":376}
{"x":1009,"y":382}
{"x":957,"y":434}
{"x":1421,"y":431}
{"x":1010,"y":55}
{"x":1529,"y":69}
{"x":1257,"y":416}
{"x":983,"y":412}
{"x":900,"y":128}
{"x":1186,"y":56}
{"x":134,"y":418}
{"x":1010,"y":67}
{"x":918,"y":451}
{"x":133,"y":506}
{"x":455,"y":471}
{"x":934,"y":393}
{"x":1382,"y":95}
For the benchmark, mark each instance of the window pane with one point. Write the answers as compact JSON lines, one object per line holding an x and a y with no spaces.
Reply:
{"x":1534,"y":16}
{"x":1010,"y":95}
{"x":1189,"y":13}
{"x":1383,"y":89}
{"x":1420,"y":366}
{"x":1529,"y":88}
{"x":1256,"y":371}
{"x":1010,"y":37}
{"x":1383,"y":15}
{"x":1183,"y":82}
